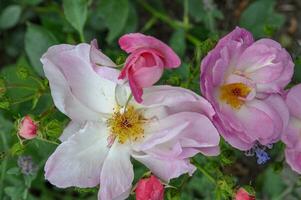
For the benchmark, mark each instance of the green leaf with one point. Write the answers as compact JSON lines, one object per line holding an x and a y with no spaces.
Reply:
{"x":297,"y":74}
{"x":273,"y":184}
{"x":206,"y":12}
{"x":260,"y":15}
{"x":76,"y":14}
{"x":37,"y":41}
{"x":115,"y":14}
{"x":17,"y":149}
{"x":13,"y":171}
{"x":10,"y":16}
{"x":15,"y":193}
{"x":132,"y":20}
{"x":178,"y":42}
{"x":31,"y":2}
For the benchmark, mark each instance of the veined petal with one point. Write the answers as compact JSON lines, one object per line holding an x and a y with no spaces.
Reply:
{"x":98,"y":58}
{"x":72,"y":128}
{"x":165,"y":169}
{"x":62,"y":96}
{"x":78,"y":161}
{"x":176,"y":99}
{"x":192,"y":130}
{"x":85,"y":84}
{"x":117,"y":174}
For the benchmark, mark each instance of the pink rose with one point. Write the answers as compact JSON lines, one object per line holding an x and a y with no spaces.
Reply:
{"x":243,"y":80}
{"x":28,"y":128}
{"x":149,"y":189}
{"x":144,"y":66}
{"x":242,"y":194}
{"x":292,"y":136}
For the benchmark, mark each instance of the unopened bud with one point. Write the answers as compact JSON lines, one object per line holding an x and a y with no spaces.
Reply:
{"x":28,"y":128}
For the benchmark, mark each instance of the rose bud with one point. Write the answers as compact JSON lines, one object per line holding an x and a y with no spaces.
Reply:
{"x":242,"y":194}
{"x":146,"y":62}
{"x":28,"y":128}
{"x":149,"y":188}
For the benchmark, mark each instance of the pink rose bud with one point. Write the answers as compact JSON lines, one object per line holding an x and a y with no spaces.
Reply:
{"x":145,"y":65}
{"x":150,"y":189}
{"x":28,"y":128}
{"x":242,"y":194}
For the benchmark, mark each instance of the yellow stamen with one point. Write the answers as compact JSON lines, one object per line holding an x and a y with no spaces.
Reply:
{"x":127,"y":125}
{"x":234,"y":94}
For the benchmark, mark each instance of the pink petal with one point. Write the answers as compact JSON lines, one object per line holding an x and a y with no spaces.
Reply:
{"x":133,"y":41}
{"x":147,"y":76}
{"x":165,"y":169}
{"x":293,"y":158}
{"x":293,"y":101}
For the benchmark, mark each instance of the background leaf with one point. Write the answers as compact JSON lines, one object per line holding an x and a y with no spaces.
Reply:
{"x":76,"y":14}
{"x":37,"y":41}
{"x":115,"y":14}
{"x":10,"y":16}
{"x":260,"y":16}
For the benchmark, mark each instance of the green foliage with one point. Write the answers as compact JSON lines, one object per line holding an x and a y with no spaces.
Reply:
{"x":10,"y":16}
{"x":205,"y":12}
{"x":260,"y":17}
{"x":114,"y":22}
{"x":76,"y":14}
{"x":37,"y":41}
{"x":178,"y":42}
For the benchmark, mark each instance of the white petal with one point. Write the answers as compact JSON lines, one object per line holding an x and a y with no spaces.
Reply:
{"x":78,"y":161}
{"x":63,"y":98}
{"x":86,"y":85}
{"x":117,"y":174}
{"x":72,"y":128}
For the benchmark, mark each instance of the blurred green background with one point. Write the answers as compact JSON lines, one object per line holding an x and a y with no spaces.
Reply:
{"x":190,"y":27}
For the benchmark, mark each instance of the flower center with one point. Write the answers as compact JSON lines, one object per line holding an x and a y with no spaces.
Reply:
{"x":126,"y":125}
{"x":234,"y":94}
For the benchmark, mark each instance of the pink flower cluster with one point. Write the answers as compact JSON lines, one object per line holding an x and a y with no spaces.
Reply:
{"x":243,"y":82}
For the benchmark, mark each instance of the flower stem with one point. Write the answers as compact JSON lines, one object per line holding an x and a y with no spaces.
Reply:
{"x":128,"y":101}
{"x":82,"y":37}
{"x":48,"y":141}
{"x":24,"y":99}
{"x":201,"y":169}
{"x":173,"y":23}
{"x":38,"y":80}
{"x":3,"y":164}
{"x":12,"y":86}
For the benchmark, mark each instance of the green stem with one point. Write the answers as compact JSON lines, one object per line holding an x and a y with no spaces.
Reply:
{"x":12,"y":86}
{"x":186,"y":16}
{"x":47,"y":112}
{"x":201,"y":169}
{"x":128,"y":101}
{"x":195,"y":41}
{"x":82,"y":37}
{"x":173,"y":23}
{"x":48,"y":141}
{"x":3,"y":164}
{"x":38,"y":80}
{"x":24,"y":99}
{"x":149,"y":24}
